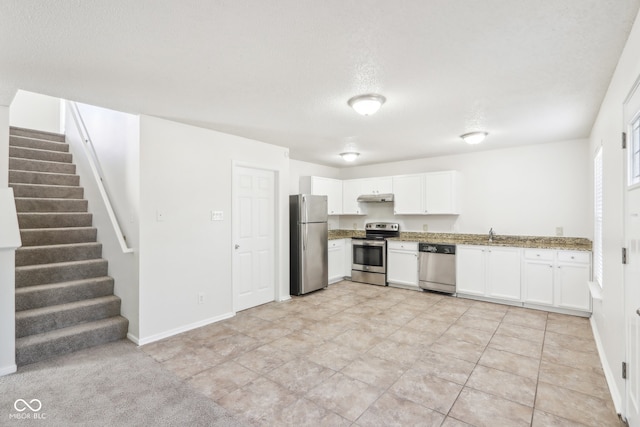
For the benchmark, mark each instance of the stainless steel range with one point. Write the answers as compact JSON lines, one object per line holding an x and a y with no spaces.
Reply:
{"x":369,"y":262}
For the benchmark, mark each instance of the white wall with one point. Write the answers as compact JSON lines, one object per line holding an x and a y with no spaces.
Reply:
{"x":185,"y":173}
{"x":116,"y":138}
{"x":9,"y":241}
{"x":608,"y":316}
{"x":4,"y":146}
{"x":528,"y":190}
{"x":35,"y":111}
{"x":298,"y":168}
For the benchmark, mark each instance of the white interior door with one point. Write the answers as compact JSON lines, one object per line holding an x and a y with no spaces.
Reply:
{"x":632,"y":268}
{"x":253,"y":237}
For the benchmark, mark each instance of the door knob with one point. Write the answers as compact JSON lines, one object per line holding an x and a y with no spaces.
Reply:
{"x":237,"y":246}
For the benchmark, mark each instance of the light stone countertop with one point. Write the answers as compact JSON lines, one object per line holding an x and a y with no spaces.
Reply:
{"x":537,"y":242}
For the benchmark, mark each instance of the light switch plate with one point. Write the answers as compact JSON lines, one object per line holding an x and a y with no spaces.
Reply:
{"x":425,"y":227}
{"x":217,"y":216}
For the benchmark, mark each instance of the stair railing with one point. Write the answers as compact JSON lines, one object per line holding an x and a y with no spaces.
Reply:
{"x":98,"y":175}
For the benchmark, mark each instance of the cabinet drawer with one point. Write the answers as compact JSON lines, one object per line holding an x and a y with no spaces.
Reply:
{"x":538,"y":254}
{"x":407,"y":246}
{"x":338,"y":243}
{"x":574,"y":256}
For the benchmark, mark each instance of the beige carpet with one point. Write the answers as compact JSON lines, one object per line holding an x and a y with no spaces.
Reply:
{"x":115,"y":384}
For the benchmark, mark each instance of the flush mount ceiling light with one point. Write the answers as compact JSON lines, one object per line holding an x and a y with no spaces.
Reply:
{"x":474,"y":137}
{"x":367,"y":104}
{"x":349,"y":156}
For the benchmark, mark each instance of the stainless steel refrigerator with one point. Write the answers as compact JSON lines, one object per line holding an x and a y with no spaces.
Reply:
{"x":309,"y":240}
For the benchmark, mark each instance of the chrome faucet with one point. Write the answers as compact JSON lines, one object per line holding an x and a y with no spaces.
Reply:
{"x":491,"y":234}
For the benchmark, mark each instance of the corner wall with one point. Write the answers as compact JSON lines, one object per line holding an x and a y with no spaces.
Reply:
{"x":185,"y":173}
{"x":36,"y":111}
{"x":608,"y":314}
{"x":116,"y":139}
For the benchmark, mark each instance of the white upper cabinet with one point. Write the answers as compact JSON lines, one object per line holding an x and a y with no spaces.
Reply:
{"x":408,"y":195}
{"x":440,"y":193}
{"x":332,"y":188}
{"x":351,"y":189}
{"x":382,"y":185}
{"x":431,"y":193}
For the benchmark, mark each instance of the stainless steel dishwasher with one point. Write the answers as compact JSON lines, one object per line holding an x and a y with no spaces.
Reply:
{"x":437,"y":270}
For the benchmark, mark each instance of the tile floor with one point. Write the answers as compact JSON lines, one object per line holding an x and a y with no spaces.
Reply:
{"x":363,"y":355}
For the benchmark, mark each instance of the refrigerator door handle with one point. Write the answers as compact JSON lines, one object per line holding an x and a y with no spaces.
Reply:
{"x":304,"y":238}
{"x":304,"y":210}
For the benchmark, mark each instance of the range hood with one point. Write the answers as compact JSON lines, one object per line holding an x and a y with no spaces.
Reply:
{"x":376,"y":198}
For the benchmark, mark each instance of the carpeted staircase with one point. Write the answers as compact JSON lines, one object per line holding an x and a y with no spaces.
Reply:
{"x":64,"y":298}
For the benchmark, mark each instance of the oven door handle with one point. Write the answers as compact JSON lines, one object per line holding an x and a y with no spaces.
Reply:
{"x":369,"y":244}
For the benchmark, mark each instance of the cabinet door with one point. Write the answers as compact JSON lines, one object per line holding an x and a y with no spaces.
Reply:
{"x":377,"y":185}
{"x":470,"y":270}
{"x":351,"y":189}
{"x":503,"y":273}
{"x":538,"y":282}
{"x":402,"y":267}
{"x":572,"y":288}
{"x":408,"y":195}
{"x":332,"y":188}
{"x":439,"y":188}
{"x":336,"y":259}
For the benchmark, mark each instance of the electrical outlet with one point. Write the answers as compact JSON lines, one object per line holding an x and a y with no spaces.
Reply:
{"x":355,"y":225}
{"x":559,"y":231}
{"x":425,"y":227}
{"x":201,"y":298}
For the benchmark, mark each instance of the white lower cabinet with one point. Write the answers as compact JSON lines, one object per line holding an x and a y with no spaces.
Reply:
{"x":488,"y":271}
{"x":336,"y":260}
{"x":402,"y":264}
{"x":557,"y":279}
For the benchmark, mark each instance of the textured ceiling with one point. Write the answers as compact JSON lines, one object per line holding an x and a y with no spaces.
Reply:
{"x":281,"y":71}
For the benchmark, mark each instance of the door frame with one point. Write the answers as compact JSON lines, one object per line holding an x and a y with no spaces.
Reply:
{"x":627,"y":120}
{"x":277,"y":229}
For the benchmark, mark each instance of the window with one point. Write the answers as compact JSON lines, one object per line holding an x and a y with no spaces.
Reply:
{"x":634,"y":153}
{"x":597,"y":218}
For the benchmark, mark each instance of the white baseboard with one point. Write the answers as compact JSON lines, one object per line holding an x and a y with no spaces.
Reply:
{"x":608,"y":374}
{"x":176,"y":331}
{"x":6,"y":370}
{"x":133,"y":338}
{"x":285,"y":298}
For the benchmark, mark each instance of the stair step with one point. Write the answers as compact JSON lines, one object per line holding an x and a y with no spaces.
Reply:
{"x":37,"y":154}
{"x":42,"y":274}
{"x":45,"y":319}
{"x":46,"y":178}
{"x":37,"y":143}
{"x":41,"y":166}
{"x":39,"y":347}
{"x":47,"y":191}
{"x":57,"y":236}
{"x":34,"y":255}
{"x":62,"y":293}
{"x":34,"y":204}
{"x":39,"y":134}
{"x":54,"y":219}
